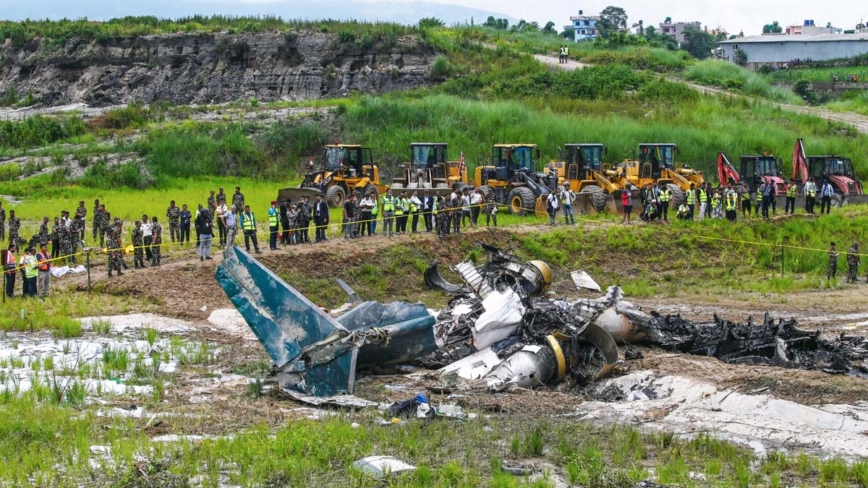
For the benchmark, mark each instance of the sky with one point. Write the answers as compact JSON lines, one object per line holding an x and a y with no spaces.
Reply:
{"x":733,"y":15}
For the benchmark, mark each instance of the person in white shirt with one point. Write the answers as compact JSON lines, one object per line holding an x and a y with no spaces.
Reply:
{"x":476,"y":199}
{"x":568,"y":197}
{"x":465,"y":208}
{"x":148,"y":235}
{"x":366,"y":216}
{"x":221,"y":226}
{"x":552,"y":205}
{"x":415,"y":210}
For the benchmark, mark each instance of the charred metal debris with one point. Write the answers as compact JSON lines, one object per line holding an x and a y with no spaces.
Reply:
{"x":499,"y":331}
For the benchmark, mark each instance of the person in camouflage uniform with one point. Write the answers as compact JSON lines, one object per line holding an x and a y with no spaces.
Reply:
{"x":490,"y":208}
{"x":14,"y":227}
{"x":75,"y":234}
{"x":853,"y":261}
{"x":303,"y":220}
{"x":63,"y":237}
{"x":43,"y":232}
{"x":101,"y":222}
{"x":115,"y":253}
{"x":833,"y":263}
{"x":138,"y":249}
{"x":157,"y":231}
{"x":174,"y":215}
{"x":2,"y":222}
{"x":238,"y":198}
{"x":443,"y":218}
{"x":81,"y":210}
{"x":55,"y":239}
{"x":457,"y":212}
{"x":93,"y":219}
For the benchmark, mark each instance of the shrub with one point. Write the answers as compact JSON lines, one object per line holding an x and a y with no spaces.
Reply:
{"x":9,"y":172}
{"x":441,"y":68}
{"x":38,"y":131}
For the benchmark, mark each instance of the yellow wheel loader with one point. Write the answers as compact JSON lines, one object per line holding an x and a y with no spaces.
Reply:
{"x":429,"y":168}
{"x":515,"y":180}
{"x":347,"y":168}
{"x":582,"y":169}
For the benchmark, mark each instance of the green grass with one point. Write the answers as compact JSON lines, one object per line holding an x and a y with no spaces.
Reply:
{"x":852,"y":101}
{"x":48,"y":444}
{"x":731,"y":77}
{"x":59,"y":32}
{"x":816,"y":74}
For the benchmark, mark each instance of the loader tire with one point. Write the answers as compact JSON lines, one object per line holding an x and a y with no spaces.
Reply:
{"x":521,"y":201}
{"x":677,"y":196}
{"x":371,"y":188}
{"x":335,"y":196}
{"x":596,"y":195}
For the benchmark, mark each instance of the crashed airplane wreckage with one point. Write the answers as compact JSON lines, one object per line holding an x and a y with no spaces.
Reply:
{"x":499,"y":331}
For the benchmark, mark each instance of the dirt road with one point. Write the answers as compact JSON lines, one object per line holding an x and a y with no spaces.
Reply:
{"x":859,"y":122}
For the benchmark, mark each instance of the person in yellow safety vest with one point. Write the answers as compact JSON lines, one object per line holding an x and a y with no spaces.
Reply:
{"x":665,"y":197}
{"x":690,"y":198}
{"x":389,"y":203}
{"x":791,"y":197}
{"x":745,"y":199}
{"x":717,"y":205}
{"x":703,"y":202}
{"x":415,"y":207}
{"x":248,"y":226}
{"x":759,"y":201}
{"x":31,"y":271}
{"x":401,"y":208}
{"x":273,"y":225}
{"x":810,"y":195}
{"x":731,"y":205}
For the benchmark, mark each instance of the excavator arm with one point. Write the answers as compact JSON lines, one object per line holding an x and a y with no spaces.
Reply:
{"x":725,"y":170}
{"x":800,"y":162}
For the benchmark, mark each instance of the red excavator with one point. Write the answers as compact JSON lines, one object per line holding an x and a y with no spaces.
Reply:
{"x":837,"y":169}
{"x":755,"y":170}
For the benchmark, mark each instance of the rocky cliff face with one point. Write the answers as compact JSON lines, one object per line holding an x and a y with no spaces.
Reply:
{"x":210,"y":68}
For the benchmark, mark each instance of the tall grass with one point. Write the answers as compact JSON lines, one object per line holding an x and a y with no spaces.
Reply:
{"x":60,"y":31}
{"x":38,"y":131}
{"x":729,"y":76}
{"x":852,"y":101}
{"x":701,"y":127}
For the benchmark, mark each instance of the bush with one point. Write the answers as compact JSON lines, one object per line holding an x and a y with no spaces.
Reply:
{"x":441,"y":68}
{"x":38,"y":131}
{"x":285,"y":141}
{"x":127,"y":175}
{"x":9,"y":172}
{"x":730,"y":76}
{"x":202,"y":150}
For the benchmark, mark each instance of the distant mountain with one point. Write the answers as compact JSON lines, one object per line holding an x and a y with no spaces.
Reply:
{"x":403,"y":12}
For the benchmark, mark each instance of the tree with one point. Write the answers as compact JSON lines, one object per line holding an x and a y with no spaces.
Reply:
{"x":773,"y":28}
{"x":430,"y":22}
{"x":612,"y":19}
{"x":740,"y":58}
{"x":569,"y":33}
{"x":698,"y":43}
{"x":502,"y":24}
{"x":490,"y":22}
{"x":550,"y":28}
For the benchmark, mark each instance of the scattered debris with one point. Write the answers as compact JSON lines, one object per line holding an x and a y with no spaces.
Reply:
{"x":499,"y":332}
{"x":381,"y":466}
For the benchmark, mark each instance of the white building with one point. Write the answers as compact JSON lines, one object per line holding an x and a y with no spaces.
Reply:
{"x":779,"y":49}
{"x":584,"y":26}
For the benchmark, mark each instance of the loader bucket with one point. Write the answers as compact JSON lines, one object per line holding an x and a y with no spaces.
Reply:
{"x":295,"y":194}
{"x":540,"y":209}
{"x":584,"y":205}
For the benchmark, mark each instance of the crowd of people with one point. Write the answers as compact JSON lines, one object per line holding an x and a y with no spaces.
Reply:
{"x":725,"y":202}
{"x":439,"y":211}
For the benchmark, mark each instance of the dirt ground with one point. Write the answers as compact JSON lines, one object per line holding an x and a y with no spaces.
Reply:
{"x":185,"y":288}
